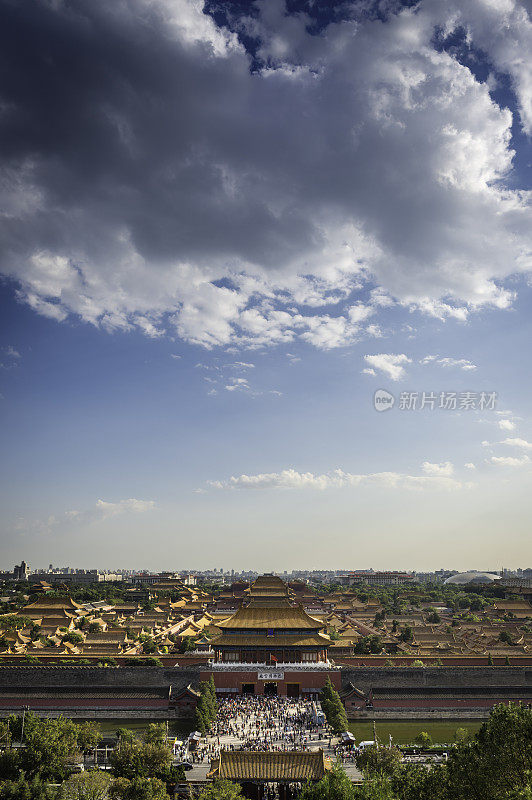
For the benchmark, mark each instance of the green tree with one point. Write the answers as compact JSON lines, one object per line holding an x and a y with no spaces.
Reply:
{"x":155,"y":734}
{"x":368,"y":644}
{"x":138,"y":789}
{"x":505,"y":637}
{"x":212,"y":690}
{"x":379,"y":760}
{"x":124,"y":735}
{"x":461,"y":734}
{"x":334,"y":786}
{"x":423,"y":739}
{"x":51,"y":744}
{"x":376,"y":787}
{"x":73,"y":638}
{"x":222,"y":790}
{"x":22,"y":789}
{"x":93,"y":785}
{"x":89,"y":735}
{"x":416,"y":782}
{"x":134,"y":758}
{"x":9,"y":764}
{"x":497,"y":760}
{"x":407,"y":634}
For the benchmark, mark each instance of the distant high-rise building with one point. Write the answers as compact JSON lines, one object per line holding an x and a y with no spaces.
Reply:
{"x":21,"y":571}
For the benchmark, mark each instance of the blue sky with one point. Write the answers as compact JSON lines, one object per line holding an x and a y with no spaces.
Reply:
{"x":225,"y":238}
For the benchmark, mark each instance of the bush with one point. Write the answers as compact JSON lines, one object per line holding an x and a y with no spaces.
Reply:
{"x":423,"y":739}
{"x":146,"y":661}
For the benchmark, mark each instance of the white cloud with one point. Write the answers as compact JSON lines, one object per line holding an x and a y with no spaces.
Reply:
{"x":102,"y":510}
{"x":460,"y":363}
{"x":238,"y":384}
{"x":506,"y":425}
{"x":393,"y":172}
{"x":132,"y":505}
{"x":374,"y":331}
{"x":444,"y":469}
{"x":470,"y":465}
{"x":388,"y":363}
{"x":12,"y":357}
{"x":174,"y":355}
{"x":510,"y":461}
{"x":337,"y":479}
{"x":512,"y":442}
{"x":359,"y":312}
{"x":368,"y":371}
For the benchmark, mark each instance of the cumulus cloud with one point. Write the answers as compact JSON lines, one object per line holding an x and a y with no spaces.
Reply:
{"x":337,"y":479}
{"x":445,"y":469}
{"x":510,"y":461}
{"x":153,"y":179}
{"x":470,"y":465}
{"x":514,"y":442}
{"x":389,"y":363}
{"x":459,"y":363}
{"x":506,"y":425}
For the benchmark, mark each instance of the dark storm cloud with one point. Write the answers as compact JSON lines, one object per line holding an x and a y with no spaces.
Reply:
{"x":145,"y":154}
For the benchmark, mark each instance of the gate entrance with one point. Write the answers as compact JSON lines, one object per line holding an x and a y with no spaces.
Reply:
{"x":270,"y":689}
{"x":248,"y":688}
{"x":292,"y":689}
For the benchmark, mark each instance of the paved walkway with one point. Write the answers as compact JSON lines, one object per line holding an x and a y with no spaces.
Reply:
{"x":264,"y":724}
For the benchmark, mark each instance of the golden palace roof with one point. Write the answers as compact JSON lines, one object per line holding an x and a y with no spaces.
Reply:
{"x":275,"y":617}
{"x":268,"y":586}
{"x":48,"y":605}
{"x":246,"y":765}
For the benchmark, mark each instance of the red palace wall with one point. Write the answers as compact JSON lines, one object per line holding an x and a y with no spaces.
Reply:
{"x":307,"y":682}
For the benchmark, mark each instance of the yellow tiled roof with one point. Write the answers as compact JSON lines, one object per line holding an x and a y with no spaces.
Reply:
{"x":245,"y":765}
{"x":292,"y":617}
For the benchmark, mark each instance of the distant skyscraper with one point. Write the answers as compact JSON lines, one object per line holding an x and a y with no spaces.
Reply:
{"x":21,"y":571}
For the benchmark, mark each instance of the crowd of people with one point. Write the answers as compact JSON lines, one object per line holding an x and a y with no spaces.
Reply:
{"x":258,"y":722}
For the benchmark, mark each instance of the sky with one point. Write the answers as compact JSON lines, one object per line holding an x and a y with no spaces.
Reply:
{"x":265,"y":284}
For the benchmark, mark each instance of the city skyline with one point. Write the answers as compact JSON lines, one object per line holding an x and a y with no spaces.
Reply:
{"x":231,"y":232}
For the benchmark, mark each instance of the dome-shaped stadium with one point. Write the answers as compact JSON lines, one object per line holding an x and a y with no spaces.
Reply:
{"x":464,"y":578}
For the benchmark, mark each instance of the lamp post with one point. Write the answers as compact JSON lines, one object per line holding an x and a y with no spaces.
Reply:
{"x":24,"y":709}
